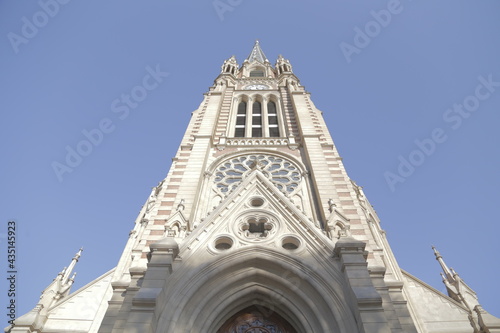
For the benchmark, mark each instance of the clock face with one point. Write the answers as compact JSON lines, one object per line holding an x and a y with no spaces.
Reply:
{"x":257,"y":87}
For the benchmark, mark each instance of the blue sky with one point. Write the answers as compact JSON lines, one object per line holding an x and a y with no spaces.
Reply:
{"x":410,"y":91}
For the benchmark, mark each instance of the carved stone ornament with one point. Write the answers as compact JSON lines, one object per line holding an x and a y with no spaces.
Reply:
{"x":257,"y":227}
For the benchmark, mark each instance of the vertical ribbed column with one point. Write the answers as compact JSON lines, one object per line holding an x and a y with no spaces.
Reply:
{"x":289,"y":114}
{"x":365,"y":301}
{"x":186,"y":173}
{"x":328,"y":175}
{"x":141,"y":316}
{"x":223,"y":119}
{"x":189,"y":163}
{"x":313,"y":153}
{"x":264,"y":119}
{"x":249,"y":118}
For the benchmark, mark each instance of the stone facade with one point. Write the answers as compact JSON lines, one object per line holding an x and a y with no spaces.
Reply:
{"x":258,"y":228}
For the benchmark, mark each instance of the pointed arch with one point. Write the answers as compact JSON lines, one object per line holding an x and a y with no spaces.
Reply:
{"x":257,"y":116}
{"x":207,"y":296}
{"x":340,"y":229}
{"x":257,"y":119}
{"x":272,"y":120}
{"x":241,"y":116}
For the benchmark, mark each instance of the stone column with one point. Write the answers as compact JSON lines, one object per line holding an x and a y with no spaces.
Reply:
{"x":365,"y":300}
{"x":147,"y":301}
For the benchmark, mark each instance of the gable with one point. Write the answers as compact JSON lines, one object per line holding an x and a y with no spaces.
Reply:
{"x":256,"y":212}
{"x":82,"y":310}
{"x":435,"y":311}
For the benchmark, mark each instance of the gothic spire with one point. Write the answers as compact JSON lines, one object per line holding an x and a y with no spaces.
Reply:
{"x":257,"y":54}
{"x":445,"y":268}
{"x":456,"y":287}
{"x":67,"y":271}
{"x":283,"y":65}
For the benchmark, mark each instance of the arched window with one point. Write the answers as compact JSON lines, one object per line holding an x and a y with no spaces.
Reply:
{"x":256,"y":120}
{"x":241,"y":118}
{"x":272,"y":118}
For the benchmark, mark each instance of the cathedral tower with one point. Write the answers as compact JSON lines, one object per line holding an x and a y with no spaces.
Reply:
{"x":258,"y":228}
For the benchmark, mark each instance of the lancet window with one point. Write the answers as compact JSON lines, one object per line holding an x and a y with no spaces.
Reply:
{"x":257,"y":119}
{"x":272,"y":116}
{"x":241,"y":119}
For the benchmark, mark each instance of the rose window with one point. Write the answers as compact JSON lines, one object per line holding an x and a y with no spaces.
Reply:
{"x":281,"y":172}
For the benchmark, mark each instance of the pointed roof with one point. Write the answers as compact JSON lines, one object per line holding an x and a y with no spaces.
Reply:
{"x":257,"y":54}
{"x":294,"y":222}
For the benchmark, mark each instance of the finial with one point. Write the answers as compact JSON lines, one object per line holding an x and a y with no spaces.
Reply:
{"x":331,"y":205}
{"x":180,"y":206}
{"x":439,"y":258}
{"x":68,"y":271}
{"x":436,"y":252}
